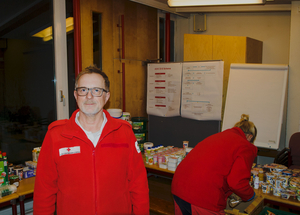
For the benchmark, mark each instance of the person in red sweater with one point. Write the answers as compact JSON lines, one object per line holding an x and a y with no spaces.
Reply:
{"x":91,"y":163}
{"x":217,"y":167}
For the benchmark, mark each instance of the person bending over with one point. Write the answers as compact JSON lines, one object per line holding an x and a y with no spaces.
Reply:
{"x":217,"y":167}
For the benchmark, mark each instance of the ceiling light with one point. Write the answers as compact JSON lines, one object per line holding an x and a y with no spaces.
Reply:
{"x":182,"y":3}
{"x":46,"y":34}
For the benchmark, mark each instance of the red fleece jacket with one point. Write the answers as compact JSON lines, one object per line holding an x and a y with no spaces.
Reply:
{"x":82,"y":179}
{"x":216,"y":167}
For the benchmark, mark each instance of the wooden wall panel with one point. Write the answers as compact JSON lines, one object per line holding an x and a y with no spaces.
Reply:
{"x":254,"y":51}
{"x":136,"y":87}
{"x":140,"y":44}
{"x":230,"y":49}
{"x":197,"y":47}
{"x":116,"y":47}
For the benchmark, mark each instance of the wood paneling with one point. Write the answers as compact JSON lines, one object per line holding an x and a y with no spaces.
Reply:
{"x":196,"y":47}
{"x":140,"y":44}
{"x":254,"y":51}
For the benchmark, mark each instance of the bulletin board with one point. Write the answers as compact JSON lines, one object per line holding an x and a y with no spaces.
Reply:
{"x":172,"y":131}
{"x":258,"y":90}
{"x":189,"y":89}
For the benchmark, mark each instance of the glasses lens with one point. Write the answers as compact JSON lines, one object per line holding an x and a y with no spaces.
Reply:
{"x":82,"y":91}
{"x":97,"y":91}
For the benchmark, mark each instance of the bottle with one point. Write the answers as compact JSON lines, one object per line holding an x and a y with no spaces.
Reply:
{"x":251,"y":182}
{"x":256,"y":182}
{"x":5,"y":168}
{"x":261,"y":176}
{"x":2,"y":172}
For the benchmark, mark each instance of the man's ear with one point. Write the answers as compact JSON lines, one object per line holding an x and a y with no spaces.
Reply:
{"x":107,"y":97}
{"x":75,"y":95}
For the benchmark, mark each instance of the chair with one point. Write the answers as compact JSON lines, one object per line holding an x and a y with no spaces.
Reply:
{"x":283,"y":157}
{"x":294,"y":154}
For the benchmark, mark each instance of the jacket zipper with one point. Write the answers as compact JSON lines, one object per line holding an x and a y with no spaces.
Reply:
{"x":94,"y":161}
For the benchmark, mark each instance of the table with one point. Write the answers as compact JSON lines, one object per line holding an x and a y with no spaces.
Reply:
{"x":267,"y":197}
{"x":159,"y":171}
{"x":156,"y":170}
{"x":276,"y":200}
{"x":12,"y":198}
{"x":26,"y":187}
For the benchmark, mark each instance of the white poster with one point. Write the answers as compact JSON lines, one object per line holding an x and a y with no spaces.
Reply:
{"x":202,"y":86}
{"x":258,"y":90}
{"x":164,"y":89}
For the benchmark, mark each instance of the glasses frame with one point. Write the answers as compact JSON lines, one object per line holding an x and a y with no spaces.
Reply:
{"x":91,"y":89}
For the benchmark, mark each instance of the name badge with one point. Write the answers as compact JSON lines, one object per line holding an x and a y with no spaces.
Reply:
{"x":69,"y":150}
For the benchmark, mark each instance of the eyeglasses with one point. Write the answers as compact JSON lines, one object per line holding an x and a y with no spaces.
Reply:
{"x":83,"y":91}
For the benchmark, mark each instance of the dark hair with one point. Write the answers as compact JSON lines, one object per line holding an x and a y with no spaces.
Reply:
{"x":247,"y":126}
{"x":91,"y":70}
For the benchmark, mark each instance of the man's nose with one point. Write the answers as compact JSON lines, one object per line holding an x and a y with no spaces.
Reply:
{"x":89,"y":94}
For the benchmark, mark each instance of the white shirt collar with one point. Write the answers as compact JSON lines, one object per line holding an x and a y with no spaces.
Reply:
{"x":94,"y":137}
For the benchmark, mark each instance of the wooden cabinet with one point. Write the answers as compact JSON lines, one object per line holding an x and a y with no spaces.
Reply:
{"x":230,"y":49}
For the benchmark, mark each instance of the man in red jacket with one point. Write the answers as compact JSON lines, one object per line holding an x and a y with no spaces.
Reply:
{"x":91,"y":163}
{"x":217,"y":167}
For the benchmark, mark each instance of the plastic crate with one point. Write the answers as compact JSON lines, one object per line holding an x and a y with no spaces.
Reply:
{"x":275,"y":211}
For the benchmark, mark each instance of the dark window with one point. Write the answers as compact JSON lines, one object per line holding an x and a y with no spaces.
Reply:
{"x":27,"y":76}
{"x":97,"y":40}
{"x":172,"y":44}
{"x":162,"y":40}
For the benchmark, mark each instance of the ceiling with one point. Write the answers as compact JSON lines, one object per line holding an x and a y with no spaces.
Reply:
{"x":20,"y":19}
{"x":270,"y":5}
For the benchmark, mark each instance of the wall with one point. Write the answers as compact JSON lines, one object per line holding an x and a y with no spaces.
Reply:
{"x":294,"y":73}
{"x":140,"y":44}
{"x":272,"y":28}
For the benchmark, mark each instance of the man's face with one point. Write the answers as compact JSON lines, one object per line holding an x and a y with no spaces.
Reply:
{"x":89,"y":104}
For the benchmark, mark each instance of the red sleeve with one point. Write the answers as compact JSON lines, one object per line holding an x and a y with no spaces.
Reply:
{"x":45,"y":188}
{"x":239,"y":176}
{"x":138,"y":182}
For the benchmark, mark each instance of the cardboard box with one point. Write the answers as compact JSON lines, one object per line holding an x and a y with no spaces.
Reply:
{"x":28,"y":173}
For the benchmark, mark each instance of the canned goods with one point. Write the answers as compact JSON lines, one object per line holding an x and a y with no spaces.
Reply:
{"x":285,"y":181}
{"x":278,"y":183}
{"x":160,"y":159}
{"x":14,"y":179}
{"x":276,"y":192}
{"x":285,"y":195}
{"x":154,"y":159}
{"x":270,"y":178}
{"x":150,"y":160}
{"x":266,"y":188}
{"x":19,"y":172}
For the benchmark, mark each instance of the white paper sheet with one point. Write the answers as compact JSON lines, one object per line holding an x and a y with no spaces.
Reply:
{"x":202,"y":86}
{"x":164,"y":89}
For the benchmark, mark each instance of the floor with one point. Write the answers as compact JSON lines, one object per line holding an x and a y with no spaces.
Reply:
{"x":160,"y":187}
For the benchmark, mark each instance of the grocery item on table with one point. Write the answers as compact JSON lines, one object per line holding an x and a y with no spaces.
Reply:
{"x":278,"y":180}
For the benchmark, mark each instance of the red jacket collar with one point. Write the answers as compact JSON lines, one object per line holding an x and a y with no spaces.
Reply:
{"x":239,"y":131}
{"x":72,"y":129}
